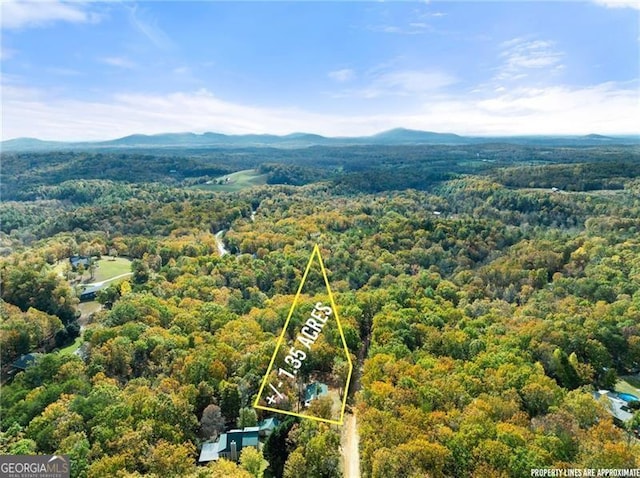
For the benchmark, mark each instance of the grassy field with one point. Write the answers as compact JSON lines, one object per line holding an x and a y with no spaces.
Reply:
{"x":68,"y":350}
{"x":108,"y":268}
{"x":628,"y":385}
{"x":245,"y":179}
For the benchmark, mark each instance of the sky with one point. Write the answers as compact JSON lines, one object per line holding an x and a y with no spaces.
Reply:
{"x":75,"y":71}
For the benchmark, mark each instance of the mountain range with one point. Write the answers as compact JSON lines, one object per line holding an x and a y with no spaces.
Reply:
{"x":398,"y":136}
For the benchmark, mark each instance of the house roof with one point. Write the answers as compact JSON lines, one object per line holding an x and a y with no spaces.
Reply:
{"x":250,"y":440}
{"x":209,"y":452}
{"x":24,"y":361}
{"x":222,"y":442}
{"x":617,"y":407}
{"x":315,"y":390}
{"x":91,"y":289}
{"x":269,"y":423}
{"x":76,"y":260}
{"x":243,"y":438}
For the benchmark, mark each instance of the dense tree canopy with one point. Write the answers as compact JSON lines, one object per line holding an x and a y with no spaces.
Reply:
{"x":484,"y":315}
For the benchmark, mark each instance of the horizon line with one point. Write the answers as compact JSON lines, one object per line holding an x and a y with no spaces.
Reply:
{"x":284,"y":135}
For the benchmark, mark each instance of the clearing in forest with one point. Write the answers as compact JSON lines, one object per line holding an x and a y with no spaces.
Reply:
{"x":244,"y":179}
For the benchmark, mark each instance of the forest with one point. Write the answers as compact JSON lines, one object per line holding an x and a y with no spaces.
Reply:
{"x":486,"y":292}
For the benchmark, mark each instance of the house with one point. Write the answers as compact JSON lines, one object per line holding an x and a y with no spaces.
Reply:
{"x":23,"y":362}
{"x":76,"y":261}
{"x":618,"y":407}
{"x":267,"y":426}
{"x":89,"y":293}
{"x":229,"y":445}
{"x":313,"y":391}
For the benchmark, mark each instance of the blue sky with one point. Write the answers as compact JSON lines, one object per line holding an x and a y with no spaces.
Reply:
{"x":101,"y":70}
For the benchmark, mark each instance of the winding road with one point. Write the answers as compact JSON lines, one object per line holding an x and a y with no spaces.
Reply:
{"x":221,"y":249}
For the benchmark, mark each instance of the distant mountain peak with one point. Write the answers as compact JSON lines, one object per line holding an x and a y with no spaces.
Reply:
{"x":404,"y":135}
{"x":598,"y":136}
{"x":392,"y":137}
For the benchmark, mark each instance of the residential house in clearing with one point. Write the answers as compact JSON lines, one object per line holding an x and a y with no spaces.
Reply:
{"x":24,"y":361}
{"x":76,"y":261}
{"x":618,"y":407}
{"x":89,"y":292}
{"x":229,"y":445}
{"x":21,"y":363}
{"x":313,"y":391}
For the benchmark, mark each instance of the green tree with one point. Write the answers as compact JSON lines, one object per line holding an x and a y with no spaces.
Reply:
{"x":171,"y":460}
{"x":247,"y":417}
{"x":253,"y":461}
{"x":321,"y":407}
{"x":77,"y":447}
{"x":229,"y":401}
{"x":277,"y":447}
{"x":296,"y":465}
{"x":227,"y":469}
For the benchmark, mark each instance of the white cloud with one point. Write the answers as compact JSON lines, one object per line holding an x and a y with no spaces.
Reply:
{"x":119,"y":62}
{"x":388,"y":82}
{"x":20,"y":14}
{"x":413,"y":81}
{"x":520,"y":56}
{"x":619,"y":3}
{"x":341,"y":76}
{"x":607,"y":108}
{"x":149,"y":28}
{"x":6,"y":53}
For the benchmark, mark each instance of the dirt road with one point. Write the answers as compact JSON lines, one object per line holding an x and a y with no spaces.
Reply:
{"x":103,"y":282}
{"x":350,"y":442}
{"x":221,"y":249}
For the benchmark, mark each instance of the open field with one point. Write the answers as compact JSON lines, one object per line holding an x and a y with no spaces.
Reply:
{"x":626,"y":385}
{"x":244,"y":179}
{"x":68,"y":350}
{"x":108,"y":268}
{"x":629,"y":384}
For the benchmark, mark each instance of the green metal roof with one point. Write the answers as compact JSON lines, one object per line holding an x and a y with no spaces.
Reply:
{"x":315,"y":390}
{"x":269,"y":423}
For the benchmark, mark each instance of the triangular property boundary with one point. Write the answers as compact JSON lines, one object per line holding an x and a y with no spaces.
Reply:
{"x":316,"y":252}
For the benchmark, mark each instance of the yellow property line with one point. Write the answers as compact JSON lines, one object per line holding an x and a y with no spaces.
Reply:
{"x":316,"y":251}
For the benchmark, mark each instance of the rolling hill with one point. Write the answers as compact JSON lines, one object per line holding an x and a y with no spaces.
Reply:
{"x":397,"y":136}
